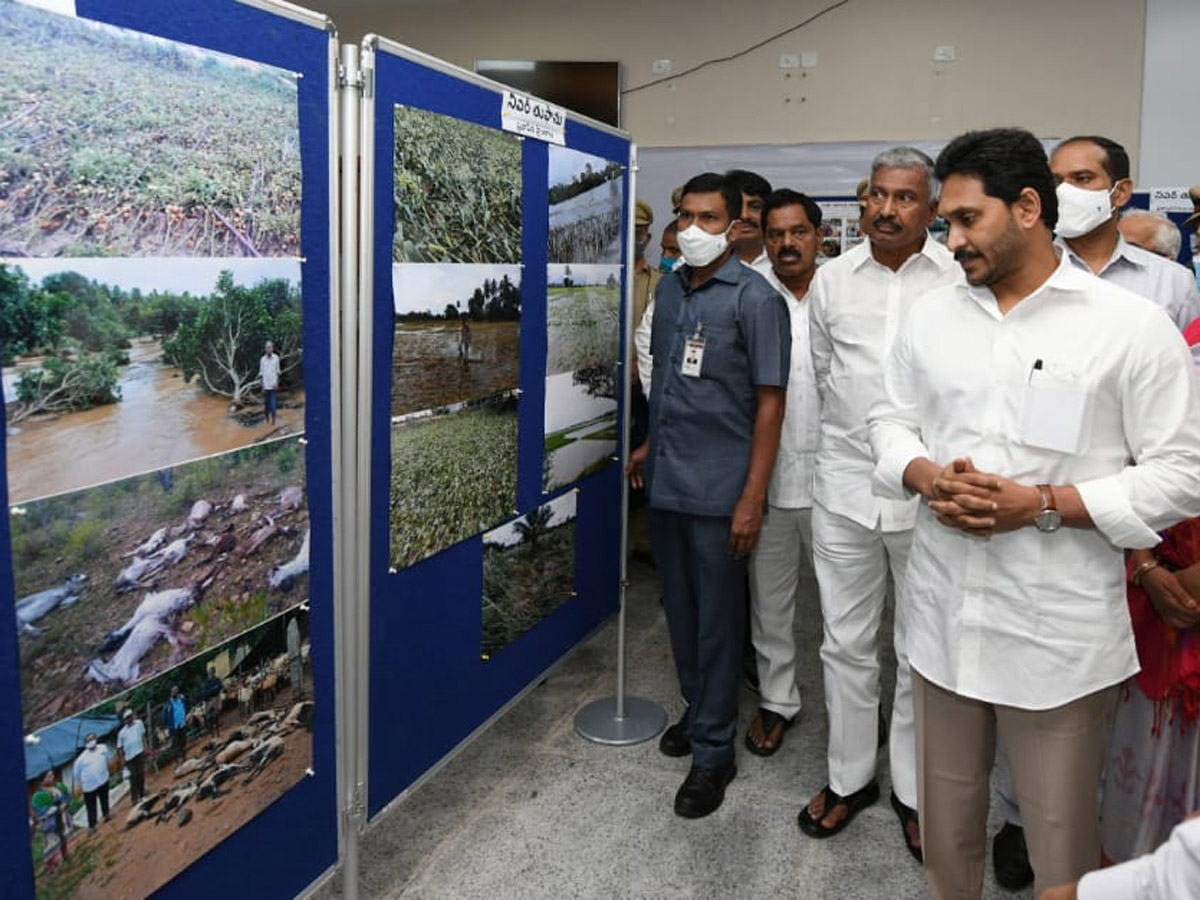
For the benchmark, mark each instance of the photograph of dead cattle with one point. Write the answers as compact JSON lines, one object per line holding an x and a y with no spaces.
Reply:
{"x":454,"y":475}
{"x":528,"y":571}
{"x":456,"y":191}
{"x":457,"y":333}
{"x":585,"y":208}
{"x":117,"y":143}
{"x":116,"y":366}
{"x":583,"y":326}
{"x":239,"y":737}
{"x":120,"y":582}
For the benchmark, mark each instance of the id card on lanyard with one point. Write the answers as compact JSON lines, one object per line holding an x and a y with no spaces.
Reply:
{"x":693,"y":353}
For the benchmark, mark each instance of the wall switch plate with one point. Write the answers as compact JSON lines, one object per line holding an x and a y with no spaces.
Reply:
{"x":661,"y":67}
{"x":789,"y":61}
{"x":808,"y":59}
{"x":944,"y":53}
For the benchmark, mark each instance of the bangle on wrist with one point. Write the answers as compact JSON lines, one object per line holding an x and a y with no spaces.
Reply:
{"x":1140,"y":571}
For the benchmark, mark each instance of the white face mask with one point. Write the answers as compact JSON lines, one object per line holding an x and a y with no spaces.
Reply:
{"x":91,"y":745}
{"x":699,"y":247}
{"x":1081,"y":211}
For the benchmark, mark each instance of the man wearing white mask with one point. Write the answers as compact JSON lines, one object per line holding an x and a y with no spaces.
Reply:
{"x":720,"y":345}
{"x":90,"y":773}
{"x":1091,"y":174}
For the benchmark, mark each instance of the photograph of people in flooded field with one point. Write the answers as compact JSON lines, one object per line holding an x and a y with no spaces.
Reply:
{"x":457,"y":333}
{"x":586,"y":194}
{"x":454,"y":475}
{"x":111,"y":146}
{"x":580,"y":426}
{"x":528,"y":571}
{"x":126,"y":795}
{"x":583,"y":318}
{"x":456,"y":190}
{"x":117,"y":583}
{"x":114,"y":367}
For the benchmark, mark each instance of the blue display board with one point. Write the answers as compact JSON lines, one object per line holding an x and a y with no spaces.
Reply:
{"x":259,"y":858}
{"x":430,"y":684}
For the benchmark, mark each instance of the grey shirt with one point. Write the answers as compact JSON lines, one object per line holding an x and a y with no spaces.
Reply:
{"x":702,"y":428}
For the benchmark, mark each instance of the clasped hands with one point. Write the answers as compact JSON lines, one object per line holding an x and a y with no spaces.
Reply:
{"x":980,"y":503}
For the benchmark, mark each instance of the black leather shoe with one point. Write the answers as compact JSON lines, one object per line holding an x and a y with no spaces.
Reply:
{"x":676,"y":741}
{"x":1010,"y":858}
{"x":703,"y":790}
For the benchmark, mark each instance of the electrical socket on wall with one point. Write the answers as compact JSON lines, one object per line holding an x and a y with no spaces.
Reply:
{"x":661,"y":67}
{"x":944,"y":53}
{"x":789,"y":60}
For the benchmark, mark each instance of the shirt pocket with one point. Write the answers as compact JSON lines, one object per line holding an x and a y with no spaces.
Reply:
{"x":721,"y":353}
{"x":1056,"y":411}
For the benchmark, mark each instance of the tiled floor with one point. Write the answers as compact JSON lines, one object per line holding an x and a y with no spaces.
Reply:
{"x":531,"y":810}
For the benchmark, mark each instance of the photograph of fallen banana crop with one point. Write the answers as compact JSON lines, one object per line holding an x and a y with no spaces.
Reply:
{"x":120,"y":582}
{"x":239,"y":738}
{"x":118,"y":143}
{"x":112,"y":367}
{"x":456,"y":191}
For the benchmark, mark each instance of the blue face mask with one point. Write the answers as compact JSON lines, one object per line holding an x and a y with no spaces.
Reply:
{"x":666,"y":264}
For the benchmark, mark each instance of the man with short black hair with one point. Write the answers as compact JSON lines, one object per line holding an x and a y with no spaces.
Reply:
{"x":746,"y":235}
{"x":720,"y":346}
{"x":790,"y":224}
{"x":1013,"y":406}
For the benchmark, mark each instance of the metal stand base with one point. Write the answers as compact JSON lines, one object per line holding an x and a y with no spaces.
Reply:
{"x":598,"y":721}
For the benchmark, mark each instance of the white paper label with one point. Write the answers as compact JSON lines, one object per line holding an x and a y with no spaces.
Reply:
{"x":537,"y":119}
{"x":1169,"y":200}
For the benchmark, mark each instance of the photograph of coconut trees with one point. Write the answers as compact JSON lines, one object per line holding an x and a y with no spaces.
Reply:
{"x":243,"y":737}
{"x":454,"y":475}
{"x":585,"y":208}
{"x":528,"y":571}
{"x":117,"y":143}
{"x":456,"y":190}
{"x":112,"y":369}
{"x":457,"y":333}
{"x":120,"y":582}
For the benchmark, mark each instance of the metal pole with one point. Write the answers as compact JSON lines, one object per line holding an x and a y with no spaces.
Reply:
{"x":622,"y":720}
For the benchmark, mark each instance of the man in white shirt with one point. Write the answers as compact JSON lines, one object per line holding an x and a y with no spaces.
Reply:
{"x":1092,"y":174}
{"x":131,"y":741}
{"x":857,"y":303}
{"x":1151,"y":230}
{"x":1013,"y":406}
{"x":268,"y":372}
{"x":746,"y":235}
{"x":790,"y":223}
{"x":90,"y":773}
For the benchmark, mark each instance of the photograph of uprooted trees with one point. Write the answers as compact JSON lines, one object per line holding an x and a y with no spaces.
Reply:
{"x":117,"y":583}
{"x":528,"y":571}
{"x":112,"y":369}
{"x":239,"y":737}
{"x":585,"y":208}
{"x":116,"y":143}
{"x":454,"y":475}
{"x":456,"y":191}
{"x":457,"y":333}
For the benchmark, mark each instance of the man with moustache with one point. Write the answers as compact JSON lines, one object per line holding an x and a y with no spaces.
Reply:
{"x":1153,"y":231}
{"x":720,"y":346}
{"x":790,"y":223}
{"x":1047,"y":418}
{"x":746,"y":235}
{"x":857,"y":303}
{"x":1091,"y":175}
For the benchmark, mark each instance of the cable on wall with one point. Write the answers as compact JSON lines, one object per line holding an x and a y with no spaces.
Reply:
{"x":723,"y":59}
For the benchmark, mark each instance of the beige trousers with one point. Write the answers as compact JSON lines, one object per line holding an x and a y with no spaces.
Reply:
{"x":1056,"y":757}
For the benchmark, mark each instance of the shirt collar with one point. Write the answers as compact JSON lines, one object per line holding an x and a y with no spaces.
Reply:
{"x":1122,"y":253}
{"x":864,"y":254}
{"x":1066,"y":277}
{"x":729,"y":272}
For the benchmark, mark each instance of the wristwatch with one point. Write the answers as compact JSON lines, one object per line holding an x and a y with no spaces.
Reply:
{"x":1049,"y":518}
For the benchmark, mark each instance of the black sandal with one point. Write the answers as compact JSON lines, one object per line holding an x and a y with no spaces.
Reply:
{"x":908,"y":814}
{"x":854,"y":803}
{"x":772,"y":726}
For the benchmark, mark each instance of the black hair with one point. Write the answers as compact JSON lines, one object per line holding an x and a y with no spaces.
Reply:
{"x":1006,"y":160}
{"x":782,"y":197}
{"x":750,"y":183}
{"x":672,"y":226}
{"x":712,"y":183}
{"x":1116,"y":160}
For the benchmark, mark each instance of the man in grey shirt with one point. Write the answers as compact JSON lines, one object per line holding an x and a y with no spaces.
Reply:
{"x":720,"y":343}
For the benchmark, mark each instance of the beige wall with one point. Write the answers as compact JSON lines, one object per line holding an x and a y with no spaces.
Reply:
{"x":1056,"y":67}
